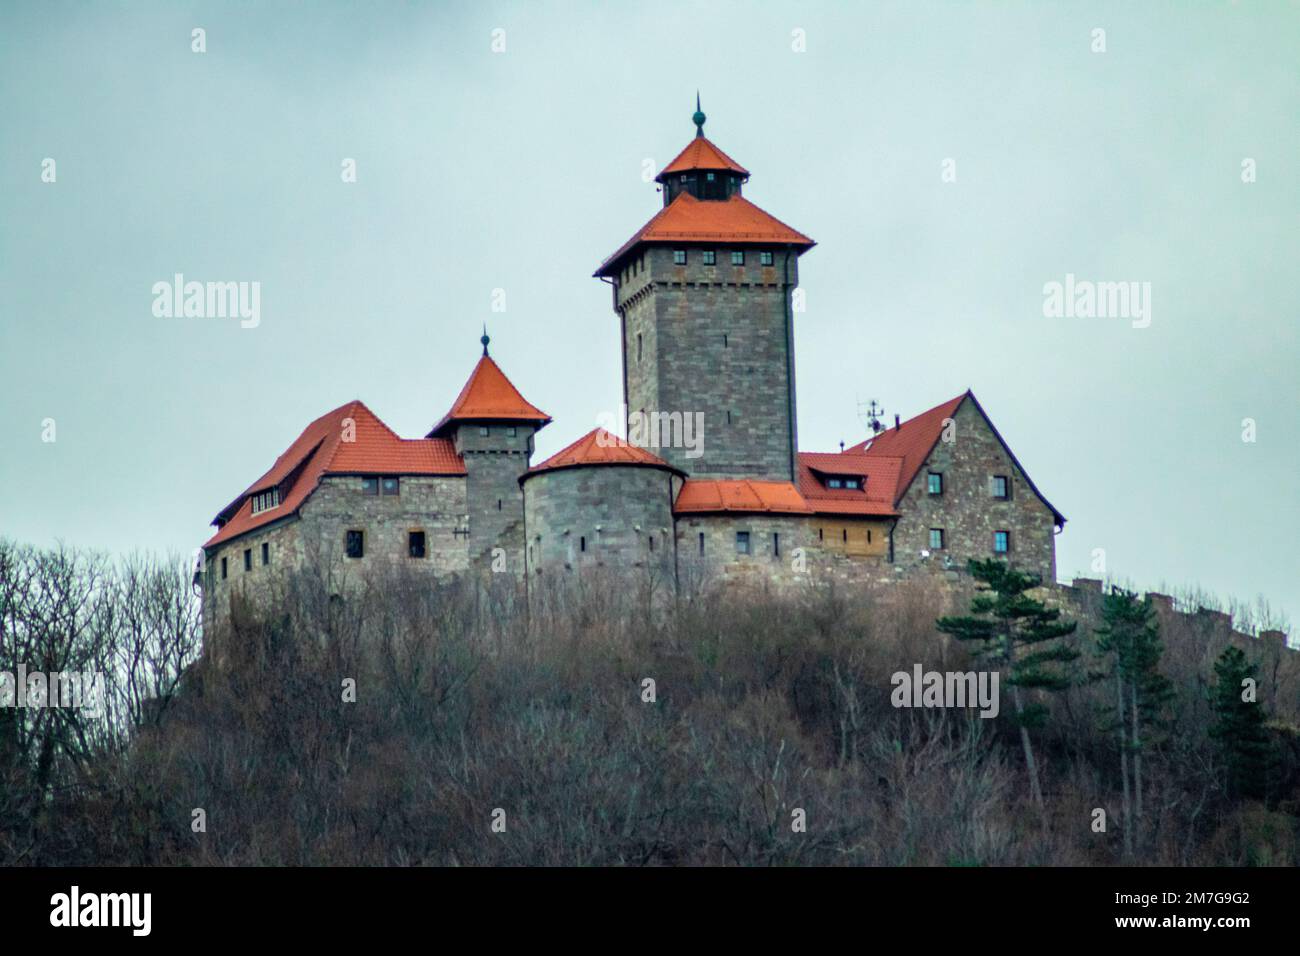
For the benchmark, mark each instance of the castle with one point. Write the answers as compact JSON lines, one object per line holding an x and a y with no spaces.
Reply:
{"x":709,"y":485}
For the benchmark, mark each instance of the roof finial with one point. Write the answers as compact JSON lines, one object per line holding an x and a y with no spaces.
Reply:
{"x":485,"y":340}
{"x":699,"y":117}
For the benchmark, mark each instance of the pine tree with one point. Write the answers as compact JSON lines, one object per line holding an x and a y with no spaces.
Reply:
{"x":1023,"y":636}
{"x":1238,"y":725}
{"x":1130,"y":637}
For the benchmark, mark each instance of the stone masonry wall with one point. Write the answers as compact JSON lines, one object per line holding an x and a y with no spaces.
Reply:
{"x":615,"y":510}
{"x":967,"y":511}
{"x":715,"y":340}
{"x":434,"y":505}
{"x":494,"y":502}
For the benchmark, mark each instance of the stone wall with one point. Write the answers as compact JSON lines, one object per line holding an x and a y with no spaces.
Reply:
{"x":284,"y":554}
{"x":716,"y":341}
{"x":967,"y":511}
{"x":434,"y":505}
{"x":599,"y":517}
{"x":494,"y":503}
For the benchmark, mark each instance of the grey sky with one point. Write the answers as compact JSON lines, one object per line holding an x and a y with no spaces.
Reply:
{"x":521,"y":170}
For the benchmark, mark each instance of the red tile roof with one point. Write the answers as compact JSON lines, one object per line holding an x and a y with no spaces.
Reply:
{"x":701,"y":496}
{"x":489,"y":396}
{"x":600,"y":447}
{"x":876,"y":497}
{"x":700,"y":153}
{"x":735,"y":220}
{"x":913,"y":441}
{"x":330,"y":446}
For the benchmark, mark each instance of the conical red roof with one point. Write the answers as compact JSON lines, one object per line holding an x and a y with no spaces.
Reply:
{"x":490,"y":396}
{"x":700,"y":153}
{"x":600,"y":447}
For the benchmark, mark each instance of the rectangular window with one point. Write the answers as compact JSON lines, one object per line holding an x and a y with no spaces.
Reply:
{"x":223,"y":569}
{"x":776,"y":544}
{"x":701,"y":544}
{"x":483,"y":431}
{"x":391,"y":486}
{"x":356,"y":544}
{"x":512,"y":431}
{"x":651,"y":539}
{"x":679,"y":257}
{"x":834,"y":483}
{"x":638,"y":346}
{"x":266,"y":553}
{"x":1001,"y":487}
{"x":265,"y":500}
{"x":742,"y":542}
{"x":737,"y":258}
{"x":415,"y":544}
{"x":765,"y":258}
{"x":853,"y":483}
{"x":935,"y":483}
{"x":582,"y":543}
{"x":1001,"y":542}
{"x":710,"y":257}
{"x":370,"y":486}
{"x":936,"y":539}
{"x":248,"y":559}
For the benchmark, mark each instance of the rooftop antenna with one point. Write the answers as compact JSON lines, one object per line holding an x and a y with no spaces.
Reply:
{"x":870,"y":414}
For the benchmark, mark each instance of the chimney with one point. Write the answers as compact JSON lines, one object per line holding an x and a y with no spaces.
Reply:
{"x":897,"y":423}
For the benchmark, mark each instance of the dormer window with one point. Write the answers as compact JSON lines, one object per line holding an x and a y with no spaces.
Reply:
{"x":834,"y":483}
{"x":266,"y":500}
{"x":844,"y":482}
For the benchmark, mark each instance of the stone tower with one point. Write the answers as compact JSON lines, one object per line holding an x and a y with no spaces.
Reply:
{"x":704,"y":293}
{"x":492,"y":428}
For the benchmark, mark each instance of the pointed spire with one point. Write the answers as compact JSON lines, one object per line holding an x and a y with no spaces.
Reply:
{"x":699,"y":116}
{"x":485,"y":340}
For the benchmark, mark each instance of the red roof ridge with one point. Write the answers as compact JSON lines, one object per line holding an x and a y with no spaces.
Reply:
{"x":703,"y":154}
{"x":734,"y":219}
{"x":489,"y":395}
{"x":914,"y":441}
{"x":320,"y":450}
{"x":876,"y":496}
{"x":706,"y":495}
{"x":600,"y":447}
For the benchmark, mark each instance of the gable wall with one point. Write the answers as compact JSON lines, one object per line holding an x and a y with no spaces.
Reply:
{"x":967,"y":510}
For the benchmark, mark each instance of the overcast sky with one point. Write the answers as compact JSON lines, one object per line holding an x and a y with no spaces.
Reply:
{"x":522,"y":169}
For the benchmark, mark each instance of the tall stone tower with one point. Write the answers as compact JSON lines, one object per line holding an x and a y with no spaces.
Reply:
{"x":704,"y":294}
{"x":492,"y":426}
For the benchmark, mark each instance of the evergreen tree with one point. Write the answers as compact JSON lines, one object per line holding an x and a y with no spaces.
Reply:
{"x":1238,"y":725}
{"x":1021,"y":635}
{"x":1129,"y":636}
